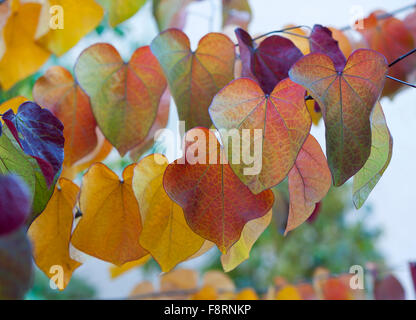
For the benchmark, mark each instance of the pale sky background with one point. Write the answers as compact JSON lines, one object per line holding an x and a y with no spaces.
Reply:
{"x":391,"y":200}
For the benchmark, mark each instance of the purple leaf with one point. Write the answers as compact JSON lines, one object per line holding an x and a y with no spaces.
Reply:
{"x":412,"y":266}
{"x":321,"y":41}
{"x":15,"y":203}
{"x":388,"y":288}
{"x":270,"y":62}
{"x":40,"y":134}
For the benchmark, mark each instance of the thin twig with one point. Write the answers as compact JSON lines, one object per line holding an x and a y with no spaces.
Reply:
{"x":402,"y":57}
{"x":401,"y":81}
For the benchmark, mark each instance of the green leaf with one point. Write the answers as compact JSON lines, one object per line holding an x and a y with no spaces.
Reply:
{"x":381,"y":151}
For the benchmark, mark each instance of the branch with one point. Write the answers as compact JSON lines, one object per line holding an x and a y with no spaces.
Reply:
{"x":401,"y":81}
{"x":402,"y":57}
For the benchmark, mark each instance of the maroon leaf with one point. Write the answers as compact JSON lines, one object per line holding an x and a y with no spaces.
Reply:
{"x":15,"y":203}
{"x":270,"y":62}
{"x":412,"y":266}
{"x":321,"y":41}
{"x":388,"y":288}
{"x":40,"y":135}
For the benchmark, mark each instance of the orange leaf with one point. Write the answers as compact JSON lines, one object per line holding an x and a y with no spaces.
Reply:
{"x":218,"y":206}
{"x":309,"y":182}
{"x":58,"y":92}
{"x":281,"y":119}
{"x":111,"y":224}
{"x":50,"y":233}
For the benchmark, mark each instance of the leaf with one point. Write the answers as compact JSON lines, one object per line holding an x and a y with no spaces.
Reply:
{"x":208,"y":192}
{"x":14,"y":160}
{"x":161,"y":122}
{"x":110,"y":226}
{"x":281,"y":118}
{"x":247,"y":294}
{"x":381,"y":152}
{"x":40,"y":135}
{"x":165,"y":233}
{"x":22,"y":56}
{"x":170,"y":13}
{"x":179,"y":280}
{"x":410,"y":23}
{"x":288,"y":292}
{"x":50,"y":233}
{"x":314,"y":111}
{"x":206,"y":293}
{"x":412,"y":267}
{"x":299,"y":37}
{"x":219,"y":281}
{"x":270,"y":62}
{"x":240,"y":251}
{"x":116,"y":271}
{"x":57,"y":91}
{"x":335,"y":289}
{"x":121,"y":10}
{"x":391,"y":38}
{"x":236,"y":12}
{"x":389,"y":288}
{"x":321,"y":41}
{"x":77,"y":21}
{"x":15,"y":203}
{"x":142,"y":289}
{"x":124,"y":96}
{"x":346,"y":98}
{"x":309,"y":182}
{"x":16,"y":271}
{"x":13,"y":103}
{"x":194,"y":77}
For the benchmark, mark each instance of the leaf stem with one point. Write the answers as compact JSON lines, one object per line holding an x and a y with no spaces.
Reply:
{"x":401,"y":81}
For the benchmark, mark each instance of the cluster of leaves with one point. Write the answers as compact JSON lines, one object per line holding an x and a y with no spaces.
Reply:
{"x":184,"y":284}
{"x":177,"y":211}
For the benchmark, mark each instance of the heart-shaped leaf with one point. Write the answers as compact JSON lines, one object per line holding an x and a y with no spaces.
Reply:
{"x":280,"y":119}
{"x":347,"y":98}
{"x":124,"y":96}
{"x":170,"y":13}
{"x":50,"y":233}
{"x":216,"y":204}
{"x":309,"y":182}
{"x":165,"y":233}
{"x":57,"y":91}
{"x":121,"y":10}
{"x":111,"y":224}
{"x":40,"y":135}
{"x":236,"y":13}
{"x":381,"y":152}
{"x":270,"y":62}
{"x":194,"y":77}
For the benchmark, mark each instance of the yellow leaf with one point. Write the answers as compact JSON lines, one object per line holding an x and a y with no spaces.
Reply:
{"x":218,"y":280}
{"x":142,"y":289}
{"x":50,"y":233}
{"x":22,"y":56}
{"x":121,"y":10}
{"x":247,"y":294}
{"x":111,"y":223}
{"x":180,"y":279}
{"x":240,"y":251}
{"x":288,"y":292}
{"x":70,"y":21}
{"x":165,"y":233}
{"x":315,"y":115}
{"x":206,"y":293}
{"x":116,"y":271}
{"x":13,"y":103}
{"x":298,"y":37}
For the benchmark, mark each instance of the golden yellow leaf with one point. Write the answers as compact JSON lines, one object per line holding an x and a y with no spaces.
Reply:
{"x":142,"y":289}
{"x":180,"y":279}
{"x":288,"y":292}
{"x":64,"y":22}
{"x":111,"y":223}
{"x":247,"y":294}
{"x":315,"y":115}
{"x":22,"y":56}
{"x":116,"y":271}
{"x":121,"y":10}
{"x":50,"y":233}
{"x":299,"y":37}
{"x":206,"y":293}
{"x":13,"y":104}
{"x":240,"y":251}
{"x":165,"y":234}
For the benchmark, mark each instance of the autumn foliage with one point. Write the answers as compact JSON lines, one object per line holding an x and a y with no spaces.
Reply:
{"x":177,"y":209}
